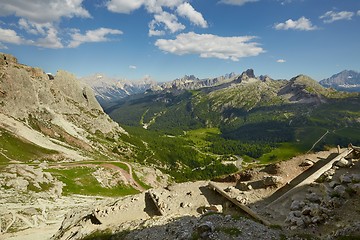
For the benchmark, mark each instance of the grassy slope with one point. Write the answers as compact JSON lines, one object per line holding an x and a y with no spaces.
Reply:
{"x":250,"y":119}
{"x":79,"y":180}
{"x":20,"y":150}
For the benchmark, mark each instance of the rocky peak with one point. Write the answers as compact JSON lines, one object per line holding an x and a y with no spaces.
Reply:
{"x":265,"y":78}
{"x":346,"y":80}
{"x":7,"y":58}
{"x":303,"y":89}
{"x":61,"y":106}
{"x":249,"y":73}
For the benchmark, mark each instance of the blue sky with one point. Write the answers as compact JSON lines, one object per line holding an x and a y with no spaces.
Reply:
{"x":166,"y":39}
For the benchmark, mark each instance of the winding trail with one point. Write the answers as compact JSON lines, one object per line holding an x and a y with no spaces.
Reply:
{"x":128,"y":175}
{"x":327,"y":131}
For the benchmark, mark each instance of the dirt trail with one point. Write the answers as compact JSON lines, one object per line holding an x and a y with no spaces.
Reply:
{"x":127,"y":175}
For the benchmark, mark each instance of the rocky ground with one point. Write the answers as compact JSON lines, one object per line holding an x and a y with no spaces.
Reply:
{"x":326,"y":208}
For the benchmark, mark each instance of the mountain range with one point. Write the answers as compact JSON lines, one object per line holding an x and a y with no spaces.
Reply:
{"x":109,"y":89}
{"x":346,"y":80}
{"x":249,"y":109}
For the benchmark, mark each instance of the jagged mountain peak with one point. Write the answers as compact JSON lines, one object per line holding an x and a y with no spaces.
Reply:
{"x":57,"y":106}
{"x":110,"y":89}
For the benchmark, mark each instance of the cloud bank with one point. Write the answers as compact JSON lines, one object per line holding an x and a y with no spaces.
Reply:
{"x":211,"y":46}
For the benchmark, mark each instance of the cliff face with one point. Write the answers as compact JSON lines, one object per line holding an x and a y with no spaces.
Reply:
{"x":61,"y":99}
{"x":42,"y":109}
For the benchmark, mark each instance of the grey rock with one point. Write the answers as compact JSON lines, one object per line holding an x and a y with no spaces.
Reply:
{"x":313,"y":197}
{"x":306,"y":210}
{"x":205,"y":229}
{"x":340,"y":191}
{"x":333,"y":184}
{"x":355,"y":187}
{"x":297,"y":213}
{"x":345,"y":178}
{"x":334,"y":202}
{"x":297,"y":205}
{"x":355,"y":178}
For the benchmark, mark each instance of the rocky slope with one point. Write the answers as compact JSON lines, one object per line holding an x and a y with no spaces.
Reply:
{"x":346,"y":80}
{"x":58,"y":149}
{"x":53,"y":104}
{"x":319,"y":208}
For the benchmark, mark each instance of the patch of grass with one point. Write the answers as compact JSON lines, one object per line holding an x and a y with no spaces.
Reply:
{"x":99,"y":235}
{"x":275,"y":226}
{"x":141,"y":183}
{"x":121,"y":165}
{"x":199,"y":136}
{"x":79,"y":180}
{"x":21,"y":150}
{"x":43,"y":187}
{"x":285,"y":151}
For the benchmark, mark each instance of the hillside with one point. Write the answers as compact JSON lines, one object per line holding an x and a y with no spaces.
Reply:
{"x":346,"y":80}
{"x":58,"y":149}
{"x":253,"y":117}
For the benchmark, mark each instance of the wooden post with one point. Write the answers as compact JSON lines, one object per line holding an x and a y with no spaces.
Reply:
{"x":237,"y":203}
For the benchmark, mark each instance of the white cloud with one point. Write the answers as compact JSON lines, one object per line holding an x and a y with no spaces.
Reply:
{"x":42,"y":11}
{"x":211,"y":46}
{"x":164,"y":20}
{"x":132,"y":67}
{"x":280,"y":61}
{"x":302,"y":24}
{"x":124,"y":6}
{"x":170,"y":21}
{"x":237,"y":2}
{"x":156,"y":6}
{"x":152,"y":31}
{"x":98,"y":35}
{"x":49,"y":34}
{"x":187,"y":11}
{"x":35,"y":28}
{"x":152,"y":6}
{"x":332,"y":16}
{"x":10,"y":36}
{"x":51,"y":40}
{"x":358,"y":13}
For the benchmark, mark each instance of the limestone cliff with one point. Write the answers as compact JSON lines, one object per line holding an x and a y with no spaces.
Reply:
{"x":58,"y":106}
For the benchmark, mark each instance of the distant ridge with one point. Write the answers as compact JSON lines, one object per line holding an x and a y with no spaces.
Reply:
{"x":109,"y":89}
{"x":347,"y":80}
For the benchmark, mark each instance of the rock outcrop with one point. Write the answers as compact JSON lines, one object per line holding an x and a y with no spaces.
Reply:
{"x":58,"y":106}
{"x":29,"y":91}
